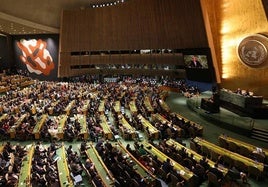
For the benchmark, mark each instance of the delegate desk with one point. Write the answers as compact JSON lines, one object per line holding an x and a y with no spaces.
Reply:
{"x":101,"y":107}
{"x":51,"y":108}
{"x":83,"y":123}
{"x":164,"y":105}
{"x":127,"y":128}
{"x":38,"y":126}
{"x":132,"y":107}
{"x":147,"y":104}
{"x":186,"y":174}
{"x":158,"y":117}
{"x":26,"y":167}
{"x":106,"y":128}
{"x":197,"y":126}
{"x":12,"y":130}
{"x":221,"y":151}
{"x":240,"y":143}
{"x":4,"y":116}
{"x":154,"y":133}
{"x":196,"y":156}
{"x":138,"y":166}
{"x":62,"y":123}
{"x":69,"y":107}
{"x":63,"y":170}
{"x":85,"y":107}
{"x":117,"y":107}
{"x":103,"y":172}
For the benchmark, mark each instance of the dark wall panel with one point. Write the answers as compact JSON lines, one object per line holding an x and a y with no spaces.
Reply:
{"x":4,"y":58}
{"x":139,"y":24}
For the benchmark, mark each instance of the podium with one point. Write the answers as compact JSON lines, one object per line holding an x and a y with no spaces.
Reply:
{"x":209,"y":105}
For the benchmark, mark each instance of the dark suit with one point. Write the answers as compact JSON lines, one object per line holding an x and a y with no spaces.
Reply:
{"x":195,"y":64}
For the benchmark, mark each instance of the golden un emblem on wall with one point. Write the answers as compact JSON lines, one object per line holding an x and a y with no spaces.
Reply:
{"x":252,"y":51}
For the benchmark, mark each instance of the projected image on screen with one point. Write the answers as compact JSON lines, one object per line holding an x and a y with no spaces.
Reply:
{"x":196,"y":61}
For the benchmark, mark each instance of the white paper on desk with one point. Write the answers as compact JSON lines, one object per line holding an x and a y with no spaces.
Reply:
{"x":182,"y":172}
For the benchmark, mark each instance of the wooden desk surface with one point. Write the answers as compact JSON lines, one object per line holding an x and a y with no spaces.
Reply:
{"x":244,"y":144}
{"x":132,"y":106}
{"x":62,"y":123}
{"x":69,"y":107}
{"x":101,"y":106}
{"x":200,"y":127}
{"x":26,"y":166}
{"x":83,"y":123}
{"x":63,"y":170}
{"x":117,"y":106}
{"x":105,"y":127}
{"x":184,"y":172}
{"x":160,"y":118}
{"x":197,"y":156}
{"x":126,"y":124}
{"x":164,"y":105}
{"x":148,"y":105}
{"x":141,"y":169}
{"x":105,"y":175}
{"x":153,"y":130}
{"x":40,"y":123}
{"x":230,"y":154}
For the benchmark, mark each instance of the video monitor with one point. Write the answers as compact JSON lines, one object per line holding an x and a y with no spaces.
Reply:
{"x":196,"y":61}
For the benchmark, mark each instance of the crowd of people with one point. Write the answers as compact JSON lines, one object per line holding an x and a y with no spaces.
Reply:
{"x":68,"y":100}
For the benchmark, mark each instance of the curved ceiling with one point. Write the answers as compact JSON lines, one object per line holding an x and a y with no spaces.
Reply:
{"x":39,"y":17}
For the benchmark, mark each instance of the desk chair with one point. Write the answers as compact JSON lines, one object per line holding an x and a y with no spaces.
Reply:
{"x":213,"y":179}
{"x":254,"y":172}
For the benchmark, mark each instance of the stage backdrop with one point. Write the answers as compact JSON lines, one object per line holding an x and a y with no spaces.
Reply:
{"x":37,"y":55}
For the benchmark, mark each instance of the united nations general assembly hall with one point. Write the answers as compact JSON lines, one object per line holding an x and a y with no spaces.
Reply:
{"x":134,"y":93}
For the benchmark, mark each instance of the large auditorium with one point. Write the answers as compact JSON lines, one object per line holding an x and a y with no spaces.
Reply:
{"x":134,"y":93}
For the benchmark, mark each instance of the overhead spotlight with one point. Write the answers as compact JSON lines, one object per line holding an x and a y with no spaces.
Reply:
{"x":93,"y":6}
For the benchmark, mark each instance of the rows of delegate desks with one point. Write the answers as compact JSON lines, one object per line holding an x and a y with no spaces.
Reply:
{"x":196,"y":156}
{"x":154,"y":132}
{"x":103,"y":172}
{"x":25,"y":172}
{"x":224,"y":152}
{"x":240,"y":143}
{"x":185,"y":173}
